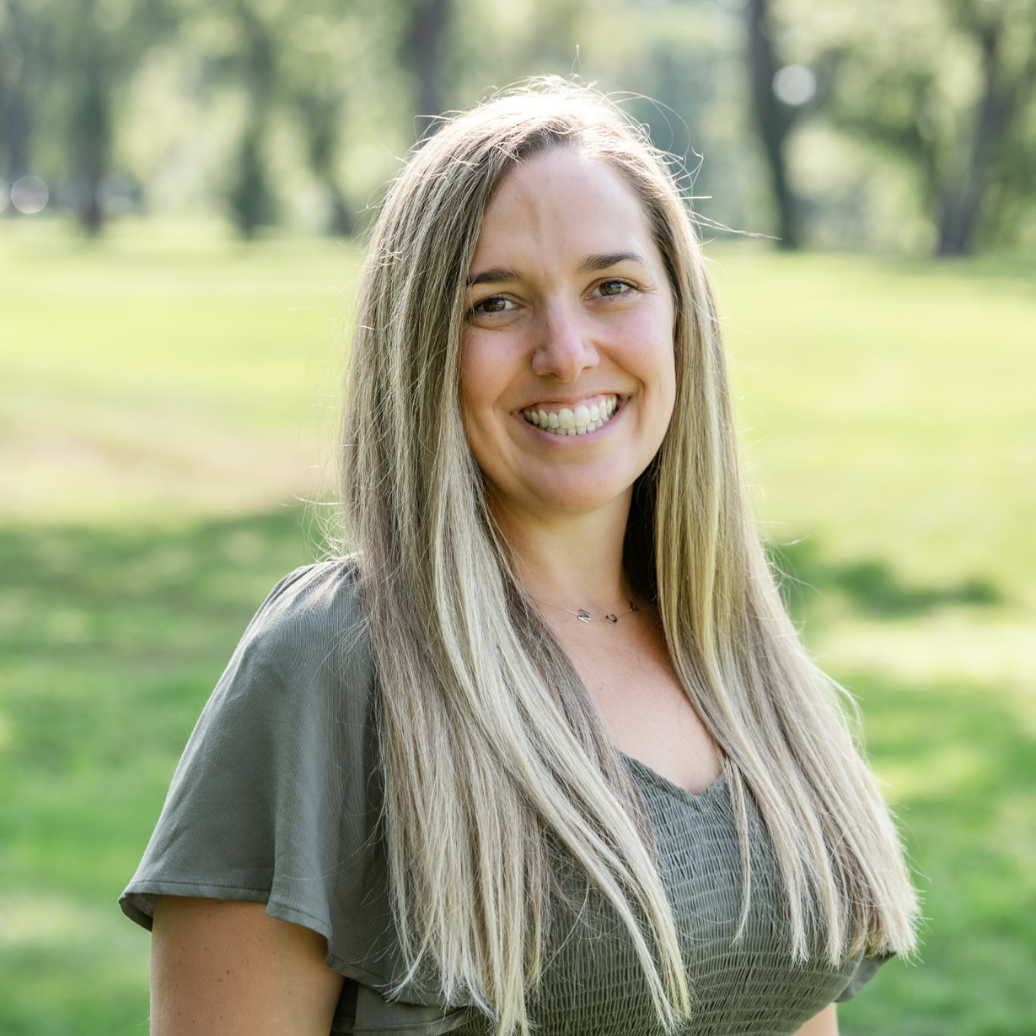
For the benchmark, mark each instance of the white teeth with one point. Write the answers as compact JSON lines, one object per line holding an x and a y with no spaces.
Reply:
{"x":580,"y":421}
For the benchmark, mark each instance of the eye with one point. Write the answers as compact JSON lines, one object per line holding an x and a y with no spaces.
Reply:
{"x":614,"y":287}
{"x":492,"y":304}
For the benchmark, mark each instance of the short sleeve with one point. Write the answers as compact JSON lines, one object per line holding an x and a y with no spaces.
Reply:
{"x":866,"y":969}
{"x":277,"y":796}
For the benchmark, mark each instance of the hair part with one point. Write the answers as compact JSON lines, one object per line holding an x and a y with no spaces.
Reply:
{"x":465,"y":661}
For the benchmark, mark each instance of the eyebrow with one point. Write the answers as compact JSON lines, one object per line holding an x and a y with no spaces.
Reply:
{"x":592,"y":264}
{"x":602,"y":262}
{"x":496,"y":275}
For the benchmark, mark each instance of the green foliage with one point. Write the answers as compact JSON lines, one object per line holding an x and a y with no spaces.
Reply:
{"x":150,"y":419}
{"x":942,"y":88}
{"x":921,"y":134}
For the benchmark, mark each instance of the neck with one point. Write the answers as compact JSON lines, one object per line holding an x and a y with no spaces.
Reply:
{"x":570,"y":561}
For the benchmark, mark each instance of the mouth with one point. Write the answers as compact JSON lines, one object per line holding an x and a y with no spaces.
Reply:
{"x":580,"y":419}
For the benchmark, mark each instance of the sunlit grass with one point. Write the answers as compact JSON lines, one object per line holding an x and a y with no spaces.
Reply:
{"x":187,"y":379}
{"x":890,"y":427}
{"x":888,"y":408}
{"x":166,"y":398}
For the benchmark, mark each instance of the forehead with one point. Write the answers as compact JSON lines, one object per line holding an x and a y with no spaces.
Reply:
{"x":564,"y":200}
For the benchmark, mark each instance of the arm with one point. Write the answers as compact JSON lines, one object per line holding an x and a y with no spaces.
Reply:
{"x":823,"y":1024}
{"x":220,"y":967}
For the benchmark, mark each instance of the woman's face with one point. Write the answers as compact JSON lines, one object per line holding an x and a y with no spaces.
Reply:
{"x":567,"y":367}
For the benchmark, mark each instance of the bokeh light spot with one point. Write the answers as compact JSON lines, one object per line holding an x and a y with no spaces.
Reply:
{"x":29,"y":195}
{"x":794,"y":85}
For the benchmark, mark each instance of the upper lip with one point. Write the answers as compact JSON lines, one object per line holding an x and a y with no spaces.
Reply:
{"x":584,"y":399}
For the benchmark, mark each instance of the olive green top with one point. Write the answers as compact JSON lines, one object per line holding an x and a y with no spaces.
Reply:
{"x":277,"y":798}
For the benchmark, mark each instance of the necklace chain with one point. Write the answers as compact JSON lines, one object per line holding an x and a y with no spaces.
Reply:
{"x":584,"y":616}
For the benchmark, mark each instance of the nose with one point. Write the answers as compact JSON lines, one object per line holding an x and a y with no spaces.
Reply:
{"x":565,"y":348}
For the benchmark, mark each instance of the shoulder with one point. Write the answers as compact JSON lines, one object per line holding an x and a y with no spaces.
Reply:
{"x":315,"y":603}
{"x":313,"y":619}
{"x":303,"y":657}
{"x":276,"y":797}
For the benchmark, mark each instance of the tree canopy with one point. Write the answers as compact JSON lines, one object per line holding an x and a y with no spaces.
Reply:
{"x":870,"y":123}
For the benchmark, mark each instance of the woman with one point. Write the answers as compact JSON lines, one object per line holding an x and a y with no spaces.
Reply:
{"x":545,"y":752}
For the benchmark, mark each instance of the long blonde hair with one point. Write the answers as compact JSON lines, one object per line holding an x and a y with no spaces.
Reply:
{"x":493,"y":752}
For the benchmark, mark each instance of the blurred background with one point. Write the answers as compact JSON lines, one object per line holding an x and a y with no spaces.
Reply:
{"x":184,"y":188}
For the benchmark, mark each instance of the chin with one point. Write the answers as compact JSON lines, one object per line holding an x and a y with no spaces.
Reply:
{"x":583,"y":496}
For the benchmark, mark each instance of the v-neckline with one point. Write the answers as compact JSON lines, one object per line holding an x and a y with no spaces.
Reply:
{"x":666,"y":785}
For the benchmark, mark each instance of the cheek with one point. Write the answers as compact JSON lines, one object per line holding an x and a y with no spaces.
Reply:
{"x":487,"y":373}
{"x":470,"y":382}
{"x":476,"y":371}
{"x":479,"y":389}
{"x":651,"y":354}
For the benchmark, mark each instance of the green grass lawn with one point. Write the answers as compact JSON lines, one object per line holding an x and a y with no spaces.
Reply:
{"x":166,"y":400}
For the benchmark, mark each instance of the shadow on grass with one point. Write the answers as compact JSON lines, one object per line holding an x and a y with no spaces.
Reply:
{"x":101,"y":627}
{"x":111,"y":642}
{"x":960,"y":763}
{"x":110,"y":639}
{"x":871,"y":587}
{"x":103,"y":568}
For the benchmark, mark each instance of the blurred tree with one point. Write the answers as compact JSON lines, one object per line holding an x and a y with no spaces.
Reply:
{"x":98,"y":46}
{"x":773,"y":118}
{"x":315,"y":63}
{"x":294,"y":63}
{"x":494,"y":43}
{"x":90,"y":124}
{"x":553,"y":43}
{"x":789,"y":82}
{"x":998,"y":28}
{"x":26,"y":63}
{"x":321,"y":116}
{"x":680,"y":69}
{"x":252,"y":201}
{"x":423,"y":51}
{"x":300,"y":91}
{"x":945,"y":84}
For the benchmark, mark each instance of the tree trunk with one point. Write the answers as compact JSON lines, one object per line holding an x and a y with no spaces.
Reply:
{"x":18,"y":60}
{"x":252,"y":201}
{"x":15,"y":133}
{"x":321,"y":117}
{"x":91,"y":134}
{"x":773,"y":119}
{"x":342,"y":222}
{"x":961,"y":203}
{"x":423,"y":45}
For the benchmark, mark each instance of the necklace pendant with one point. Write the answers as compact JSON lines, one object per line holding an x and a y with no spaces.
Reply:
{"x":584,"y":615}
{"x":612,"y":618}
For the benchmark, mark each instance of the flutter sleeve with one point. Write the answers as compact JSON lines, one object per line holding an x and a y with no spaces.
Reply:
{"x":276,"y":799}
{"x":866,"y":969}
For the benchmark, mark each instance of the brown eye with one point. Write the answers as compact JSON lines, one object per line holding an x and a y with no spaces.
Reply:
{"x":493,"y":304}
{"x":614,"y":287}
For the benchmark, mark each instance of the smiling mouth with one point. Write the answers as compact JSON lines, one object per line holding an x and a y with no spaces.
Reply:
{"x":578,"y":420}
